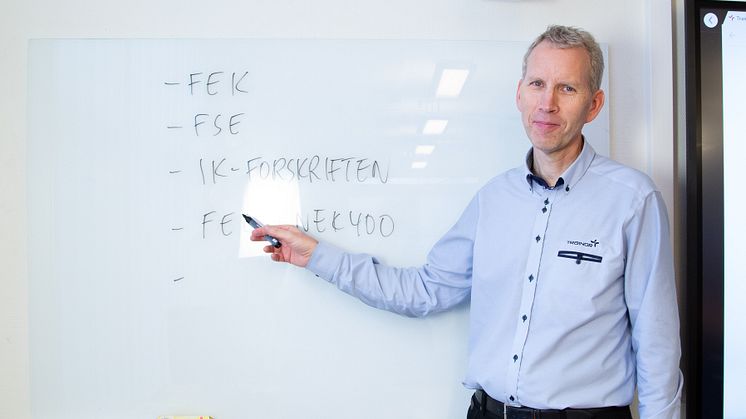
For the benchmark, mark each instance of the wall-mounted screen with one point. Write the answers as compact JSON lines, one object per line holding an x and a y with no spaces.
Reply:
{"x":716,"y":138}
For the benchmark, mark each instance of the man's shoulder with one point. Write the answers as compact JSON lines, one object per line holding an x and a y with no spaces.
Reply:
{"x":515,"y":177}
{"x":621,"y":176}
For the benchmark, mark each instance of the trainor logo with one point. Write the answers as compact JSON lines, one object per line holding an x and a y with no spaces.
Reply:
{"x":593,"y":243}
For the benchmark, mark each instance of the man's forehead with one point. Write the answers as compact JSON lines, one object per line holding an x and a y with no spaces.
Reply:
{"x":549,"y":46}
{"x":539,"y":60}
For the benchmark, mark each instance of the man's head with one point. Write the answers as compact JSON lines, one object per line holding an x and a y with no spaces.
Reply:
{"x":569,"y":37}
{"x":559,"y":91}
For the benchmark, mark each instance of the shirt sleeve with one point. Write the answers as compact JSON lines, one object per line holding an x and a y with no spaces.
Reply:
{"x":443,"y":282}
{"x":650,"y":293}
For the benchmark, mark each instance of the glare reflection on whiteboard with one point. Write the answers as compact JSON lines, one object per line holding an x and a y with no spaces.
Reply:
{"x":435,"y":126}
{"x":271,"y":202}
{"x":424,"y":149}
{"x":451,"y":82}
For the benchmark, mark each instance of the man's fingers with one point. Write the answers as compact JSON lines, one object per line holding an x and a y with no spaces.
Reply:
{"x":296,"y":248}
{"x":258,"y":234}
{"x":282,"y":233}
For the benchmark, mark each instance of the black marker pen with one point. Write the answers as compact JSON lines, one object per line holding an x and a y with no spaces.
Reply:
{"x":256,"y":224}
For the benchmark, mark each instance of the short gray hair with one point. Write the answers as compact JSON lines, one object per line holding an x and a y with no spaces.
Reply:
{"x":571,"y":37}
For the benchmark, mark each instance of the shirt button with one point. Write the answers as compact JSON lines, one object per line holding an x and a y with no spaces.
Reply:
{"x":530,"y":278}
{"x":538,"y":238}
{"x":515,"y":358}
{"x":512,"y":398}
{"x":546,"y":201}
{"x":544,"y":209}
{"x":524,"y":317}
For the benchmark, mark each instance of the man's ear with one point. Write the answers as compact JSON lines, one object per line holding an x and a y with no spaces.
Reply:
{"x":518,"y":95}
{"x":597,"y":103}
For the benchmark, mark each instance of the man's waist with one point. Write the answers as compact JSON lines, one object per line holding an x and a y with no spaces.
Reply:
{"x":482,"y":400}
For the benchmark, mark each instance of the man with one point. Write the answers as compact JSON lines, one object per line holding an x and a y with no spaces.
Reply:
{"x":566,"y":260}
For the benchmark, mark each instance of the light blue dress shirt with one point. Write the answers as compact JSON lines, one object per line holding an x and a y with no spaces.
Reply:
{"x":573,"y":300}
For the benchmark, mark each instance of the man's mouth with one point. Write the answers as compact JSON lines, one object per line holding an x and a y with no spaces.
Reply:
{"x":544,"y":126}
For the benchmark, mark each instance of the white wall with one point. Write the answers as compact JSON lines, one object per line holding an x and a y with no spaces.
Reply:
{"x":679,"y":223}
{"x":638,"y":32}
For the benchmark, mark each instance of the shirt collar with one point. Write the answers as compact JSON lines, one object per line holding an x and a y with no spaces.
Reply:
{"x":571,"y":175}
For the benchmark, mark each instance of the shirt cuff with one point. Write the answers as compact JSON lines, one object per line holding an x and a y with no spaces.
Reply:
{"x":325,"y":260}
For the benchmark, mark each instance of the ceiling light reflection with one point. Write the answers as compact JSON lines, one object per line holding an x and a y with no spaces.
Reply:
{"x":271,"y":202}
{"x":435,"y":126}
{"x":451,"y":82}
{"x":424,"y":149}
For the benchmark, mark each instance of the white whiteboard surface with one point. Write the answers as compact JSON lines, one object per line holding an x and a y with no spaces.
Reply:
{"x":142,"y":303}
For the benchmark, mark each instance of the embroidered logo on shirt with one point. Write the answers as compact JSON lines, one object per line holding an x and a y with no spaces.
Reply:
{"x":579,"y":256}
{"x":593,"y":243}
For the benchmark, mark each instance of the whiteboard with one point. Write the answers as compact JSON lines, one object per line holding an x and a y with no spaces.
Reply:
{"x":146,"y":297}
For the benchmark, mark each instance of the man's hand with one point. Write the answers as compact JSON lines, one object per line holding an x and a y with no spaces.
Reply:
{"x":296,"y":248}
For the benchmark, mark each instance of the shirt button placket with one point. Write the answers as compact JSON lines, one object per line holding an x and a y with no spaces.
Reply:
{"x":533,"y":264}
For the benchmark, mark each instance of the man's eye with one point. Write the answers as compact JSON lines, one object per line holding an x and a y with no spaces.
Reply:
{"x":536,"y":83}
{"x":568,"y":89}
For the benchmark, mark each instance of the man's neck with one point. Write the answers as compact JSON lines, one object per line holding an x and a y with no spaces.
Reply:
{"x":551,"y":166}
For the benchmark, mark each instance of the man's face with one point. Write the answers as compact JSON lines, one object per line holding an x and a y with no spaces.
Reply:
{"x":555,"y":98}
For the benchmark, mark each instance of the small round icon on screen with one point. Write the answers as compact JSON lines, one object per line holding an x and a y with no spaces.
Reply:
{"x":711,"y":20}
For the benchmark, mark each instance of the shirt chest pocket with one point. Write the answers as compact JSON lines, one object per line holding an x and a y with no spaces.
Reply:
{"x":580,"y":257}
{"x":595,"y":259}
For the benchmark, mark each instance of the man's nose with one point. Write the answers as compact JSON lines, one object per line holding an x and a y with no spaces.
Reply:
{"x":548,"y":101}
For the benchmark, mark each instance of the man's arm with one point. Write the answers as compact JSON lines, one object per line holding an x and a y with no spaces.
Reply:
{"x":438,"y":285}
{"x":650,"y":293}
